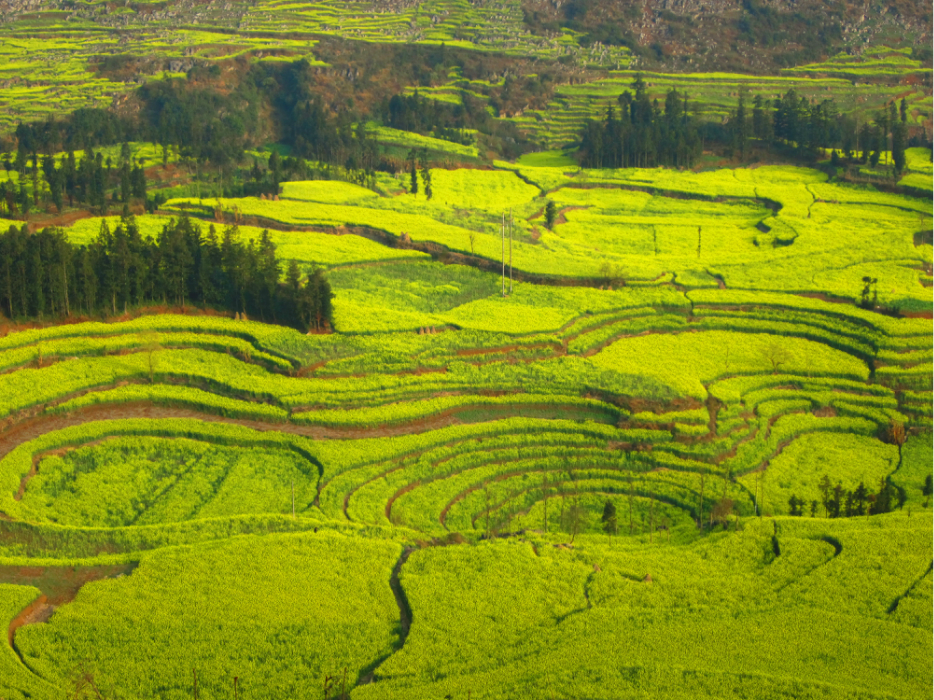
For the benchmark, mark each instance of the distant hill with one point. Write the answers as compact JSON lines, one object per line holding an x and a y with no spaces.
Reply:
{"x":743,"y":35}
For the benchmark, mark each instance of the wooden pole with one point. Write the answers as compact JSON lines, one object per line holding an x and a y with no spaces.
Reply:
{"x":502,"y":231}
{"x":757,"y":494}
{"x":763,"y":495}
{"x":510,"y":251}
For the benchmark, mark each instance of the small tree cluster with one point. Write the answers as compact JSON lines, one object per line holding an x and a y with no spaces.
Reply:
{"x":92,"y":181}
{"x":417,"y":163}
{"x":839,"y":502}
{"x":642,"y":136}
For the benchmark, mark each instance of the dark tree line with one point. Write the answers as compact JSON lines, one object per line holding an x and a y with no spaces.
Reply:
{"x":433,"y":117}
{"x":216,"y":126}
{"x":83,"y":129}
{"x":43,"y":275}
{"x":838,"y":502}
{"x":805,"y":127}
{"x":89,"y":180}
{"x":203,"y":123}
{"x":643,"y":135}
{"x":646,"y":134}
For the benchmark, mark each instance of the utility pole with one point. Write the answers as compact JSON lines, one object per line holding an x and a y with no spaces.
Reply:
{"x":502,"y":236}
{"x":763,"y":495}
{"x":510,"y":250}
{"x":757,"y":494}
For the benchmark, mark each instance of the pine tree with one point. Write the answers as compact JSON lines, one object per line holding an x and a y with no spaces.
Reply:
{"x":609,"y":518}
{"x":275,"y":169}
{"x":35,"y":179}
{"x":268,"y":275}
{"x":836,"y":503}
{"x":413,"y":178}
{"x":898,"y":146}
{"x":426,"y":172}
{"x":551,"y":212}
{"x":758,"y":118}
{"x":138,"y":183}
{"x":860,"y":497}
{"x":739,"y":126}
{"x":125,"y":191}
{"x":793,"y":505}
{"x":824,"y":486}
{"x":23,"y":201}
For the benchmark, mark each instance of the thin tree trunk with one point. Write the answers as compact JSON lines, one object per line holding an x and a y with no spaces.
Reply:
{"x":757,"y":494}
{"x":502,"y":232}
{"x":763,"y":496}
{"x":510,"y":251}
{"x":65,"y":279}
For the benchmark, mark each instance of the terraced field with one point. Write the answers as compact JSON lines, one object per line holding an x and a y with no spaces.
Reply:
{"x":773,"y":228}
{"x":674,"y":442}
{"x":414,"y":505}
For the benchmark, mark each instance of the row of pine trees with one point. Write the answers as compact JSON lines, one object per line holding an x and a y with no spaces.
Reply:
{"x":839,"y":502}
{"x":43,"y":275}
{"x":644,"y":133}
{"x":808,"y":126}
{"x":90,"y":180}
{"x":642,"y":136}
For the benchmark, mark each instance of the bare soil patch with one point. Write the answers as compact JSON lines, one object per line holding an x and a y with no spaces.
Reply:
{"x":59,"y":585}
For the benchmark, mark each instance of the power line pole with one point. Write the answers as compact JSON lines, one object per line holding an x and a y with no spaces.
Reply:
{"x":503,"y":240}
{"x":510,"y":250}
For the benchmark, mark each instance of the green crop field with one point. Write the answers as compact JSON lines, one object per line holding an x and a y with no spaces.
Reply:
{"x":498,"y":425}
{"x":772,"y":228}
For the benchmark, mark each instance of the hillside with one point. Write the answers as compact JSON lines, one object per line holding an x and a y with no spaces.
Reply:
{"x":466,"y":350}
{"x":737,"y":35}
